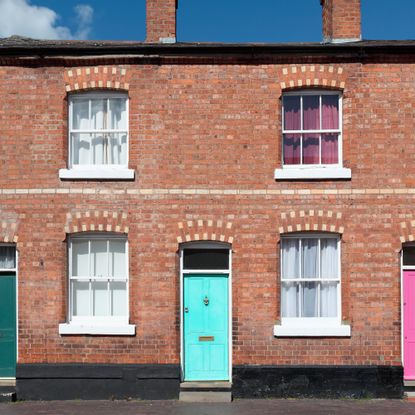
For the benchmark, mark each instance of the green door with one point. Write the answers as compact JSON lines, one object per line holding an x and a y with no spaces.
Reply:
{"x":7,"y":325}
{"x":206,"y":347}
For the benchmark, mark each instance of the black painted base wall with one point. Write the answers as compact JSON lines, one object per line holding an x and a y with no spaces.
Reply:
{"x":90,"y":381}
{"x":317,"y":382}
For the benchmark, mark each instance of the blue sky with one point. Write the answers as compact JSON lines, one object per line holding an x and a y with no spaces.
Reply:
{"x":203,"y":20}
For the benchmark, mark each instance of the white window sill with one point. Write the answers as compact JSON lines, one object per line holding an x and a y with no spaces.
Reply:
{"x":312,"y":173}
{"x":109,"y":330}
{"x":310,"y":331}
{"x":105,"y":173}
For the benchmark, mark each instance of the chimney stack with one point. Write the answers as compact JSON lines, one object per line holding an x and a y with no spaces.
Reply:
{"x":161,"y":21}
{"x":341,"y":21}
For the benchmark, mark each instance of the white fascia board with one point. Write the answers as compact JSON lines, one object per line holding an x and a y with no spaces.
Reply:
{"x":312,"y":173}
{"x":109,"y":173}
{"x":108,"y":330}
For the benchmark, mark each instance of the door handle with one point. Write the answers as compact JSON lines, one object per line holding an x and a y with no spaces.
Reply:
{"x":186,"y":309}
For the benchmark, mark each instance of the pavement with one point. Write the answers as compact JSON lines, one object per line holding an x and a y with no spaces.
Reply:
{"x":237,"y":407}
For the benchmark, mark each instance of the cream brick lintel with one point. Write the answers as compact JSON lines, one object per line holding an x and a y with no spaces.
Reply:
{"x":324,"y":76}
{"x":96,"y":220}
{"x":205,"y":230}
{"x":311,"y":220}
{"x":112,"y":77}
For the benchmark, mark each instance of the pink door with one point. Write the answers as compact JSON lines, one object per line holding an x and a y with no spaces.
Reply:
{"x":409,"y":325}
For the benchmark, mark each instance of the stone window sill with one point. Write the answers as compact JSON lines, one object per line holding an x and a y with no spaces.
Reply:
{"x":312,"y":331}
{"x":312,"y":173}
{"x":99,"y":173}
{"x":105,"y":330}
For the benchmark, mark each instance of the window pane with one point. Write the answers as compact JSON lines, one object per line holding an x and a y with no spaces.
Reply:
{"x":290,"y":258}
{"x":100,"y":298}
{"x":311,"y":112}
{"x":99,"y":114}
{"x":118,"y":291}
{"x":311,"y":148}
{"x":292,"y":117}
{"x":99,"y":259}
{"x":329,"y":258}
{"x":99,"y":154}
{"x":80,"y":114}
{"x":329,"y":148}
{"x":292,"y":149}
{"x":330,"y":114}
{"x":118,"y":114}
{"x":118,"y":148}
{"x":289,"y":300}
{"x":206,"y":259}
{"x":310,"y":258}
{"x":328,"y":300}
{"x":7,"y":257}
{"x":80,"y":264}
{"x":310,"y":299}
{"x":81,"y":148}
{"x":409,"y":255}
{"x":80,"y":298}
{"x":117,"y":259}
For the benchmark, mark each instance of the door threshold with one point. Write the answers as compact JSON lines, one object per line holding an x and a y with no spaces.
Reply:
{"x":7,"y":381}
{"x":206,"y":385}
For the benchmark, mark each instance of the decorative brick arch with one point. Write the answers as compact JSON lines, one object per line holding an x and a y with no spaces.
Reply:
{"x":407,"y":231}
{"x":205,"y":230}
{"x":306,"y":76}
{"x":96,"y":221}
{"x":96,"y":77}
{"x":317,"y":220}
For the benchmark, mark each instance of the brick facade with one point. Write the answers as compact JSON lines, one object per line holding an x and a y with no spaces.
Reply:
{"x":204,"y":155}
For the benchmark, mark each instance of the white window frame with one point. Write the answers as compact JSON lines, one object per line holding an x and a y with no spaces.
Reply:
{"x":312,"y":326}
{"x":96,"y":171}
{"x":313,"y":171}
{"x":105,"y":325}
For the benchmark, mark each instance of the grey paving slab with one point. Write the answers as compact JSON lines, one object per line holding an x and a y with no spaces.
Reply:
{"x":238,"y":407}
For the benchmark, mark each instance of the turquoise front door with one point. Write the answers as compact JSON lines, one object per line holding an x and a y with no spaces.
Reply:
{"x":206,"y":335}
{"x":7,"y":326}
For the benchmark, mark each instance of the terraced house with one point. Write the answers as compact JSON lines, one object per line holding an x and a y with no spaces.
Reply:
{"x":172,"y":213}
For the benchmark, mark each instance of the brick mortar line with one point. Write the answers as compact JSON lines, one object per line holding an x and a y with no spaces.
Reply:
{"x":201,"y":192}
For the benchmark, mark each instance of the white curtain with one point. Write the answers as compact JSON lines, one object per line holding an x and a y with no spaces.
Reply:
{"x":100,"y":298}
{"x":117,"y":259}
{"x":329,"y":270}
{"x":80,"y":298}
{"x":99,"y":259}
{"x":80,"y":256}
{"x":329,"y":259}
{"x":310,"y":258}
{"x":290,"y":258}
{"x":310,"y":299}
{"x":118,"y":292}
{"x":7,"y":257}
{"x":328,"y":300}
{"x":289,"y":299}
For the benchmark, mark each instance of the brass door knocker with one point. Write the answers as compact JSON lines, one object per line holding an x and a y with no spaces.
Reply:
{"x":206,"y":300}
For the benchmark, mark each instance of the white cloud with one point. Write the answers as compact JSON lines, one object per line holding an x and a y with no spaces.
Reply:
{"x":85,"y":14}
{"x":20,"y":17}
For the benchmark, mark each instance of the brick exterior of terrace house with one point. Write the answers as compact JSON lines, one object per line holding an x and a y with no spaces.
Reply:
{"x":205,"y":170}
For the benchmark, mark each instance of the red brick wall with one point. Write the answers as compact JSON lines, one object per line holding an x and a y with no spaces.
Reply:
{"x":341,"y":19}
{"x":204,"y":142}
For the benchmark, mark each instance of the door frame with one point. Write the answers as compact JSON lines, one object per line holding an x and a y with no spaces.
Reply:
{"x":16,"y":273}
{"x":205,"y":245}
